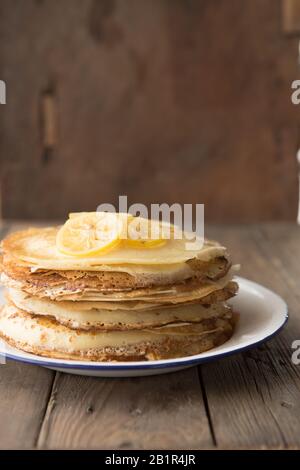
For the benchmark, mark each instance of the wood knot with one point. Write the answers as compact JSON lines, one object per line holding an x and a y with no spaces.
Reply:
{"x":286,"y":404}
{"x":90,"y":409}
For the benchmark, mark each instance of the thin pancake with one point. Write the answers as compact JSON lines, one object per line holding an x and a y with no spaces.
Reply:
{"x":115,"y":280}
{"x":37,"y":248}
{"x":46,"y":337}
{"x":184,"y":292}
{"x":217,"y":296}
{"x":78,"y":315}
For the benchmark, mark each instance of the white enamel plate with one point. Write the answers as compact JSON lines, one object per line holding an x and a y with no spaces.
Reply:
{"x":262,"y":314}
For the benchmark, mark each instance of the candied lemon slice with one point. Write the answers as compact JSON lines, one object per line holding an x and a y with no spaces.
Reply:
{"x":144,"y":233}
{"x":89,"y":233}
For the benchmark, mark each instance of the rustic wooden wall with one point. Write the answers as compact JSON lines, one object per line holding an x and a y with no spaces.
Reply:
{"x":162,"y":100}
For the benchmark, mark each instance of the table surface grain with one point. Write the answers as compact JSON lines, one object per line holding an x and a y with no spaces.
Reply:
{"x":250,"y":400}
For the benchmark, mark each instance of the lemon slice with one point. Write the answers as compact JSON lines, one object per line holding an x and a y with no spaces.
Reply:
{"x":89,"y":233}
{"x":144,"y":233}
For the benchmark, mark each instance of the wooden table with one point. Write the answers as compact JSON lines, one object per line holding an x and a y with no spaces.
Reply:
{"x":251,"y":400}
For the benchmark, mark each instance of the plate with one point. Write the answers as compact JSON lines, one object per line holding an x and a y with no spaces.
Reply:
{"x":262,"y":315}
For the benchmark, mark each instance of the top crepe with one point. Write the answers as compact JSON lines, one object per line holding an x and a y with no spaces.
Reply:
{"x":36,"y":248}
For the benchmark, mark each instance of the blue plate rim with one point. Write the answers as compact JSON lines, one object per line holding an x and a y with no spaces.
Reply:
{"x":183,"y":362}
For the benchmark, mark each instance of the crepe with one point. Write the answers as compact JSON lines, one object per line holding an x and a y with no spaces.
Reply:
{"x":37,"y":248}
{"x":45,"y":337}
{"x":90,"y":315}
{"x":118,"y":277}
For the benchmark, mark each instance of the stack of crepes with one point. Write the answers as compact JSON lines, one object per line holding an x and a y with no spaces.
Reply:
{"x":82,"y":291}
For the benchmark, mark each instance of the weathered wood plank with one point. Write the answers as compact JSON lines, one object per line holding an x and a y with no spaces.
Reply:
{"x":188,"y":117}
{"x":24,"y":392}
{"x":253,"y":398}
{"x":159,"y":412}
{"x":291,"y":16}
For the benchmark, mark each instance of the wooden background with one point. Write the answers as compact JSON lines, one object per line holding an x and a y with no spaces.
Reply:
{"x":162,"y":100}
